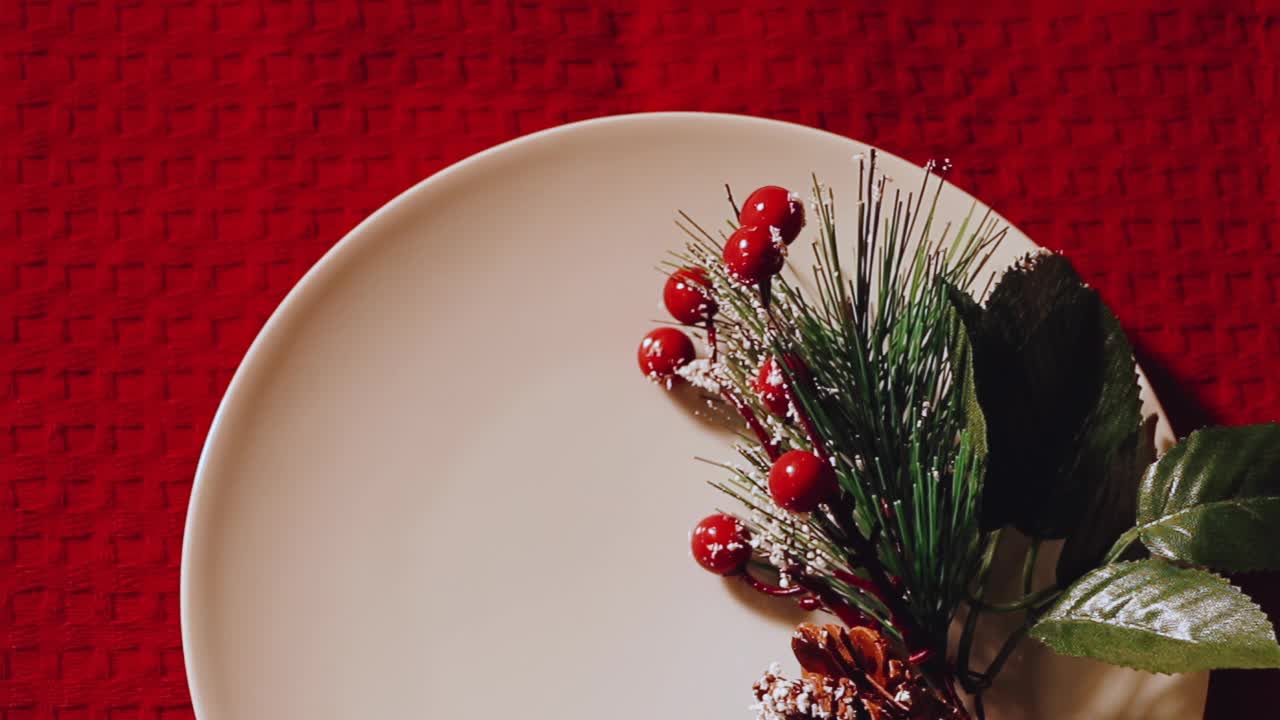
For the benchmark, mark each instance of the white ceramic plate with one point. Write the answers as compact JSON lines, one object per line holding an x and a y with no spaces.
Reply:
{"x":438,"y":486}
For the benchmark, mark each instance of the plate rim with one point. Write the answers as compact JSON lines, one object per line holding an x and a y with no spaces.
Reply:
{"x":253,"y":363}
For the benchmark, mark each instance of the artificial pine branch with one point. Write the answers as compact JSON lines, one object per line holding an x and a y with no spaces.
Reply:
{"x":878,"y":399}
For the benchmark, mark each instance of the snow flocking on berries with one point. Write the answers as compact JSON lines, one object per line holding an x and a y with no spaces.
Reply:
{"x":799,"y":481}
{"x":663,"y":351}
{"x":771,"y":383}
{"x":771,"y":386}
{"x":751,"y":256}
{"x":687,"y":296}
{"x":774,"y":207}
{"x":721,"y":544}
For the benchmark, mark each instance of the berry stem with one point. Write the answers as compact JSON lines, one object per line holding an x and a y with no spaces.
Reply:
{"x":769,"y":444}
{"x":810,"y":602}
{"x":864,"y":555}
{"x":711,"y":338}
{"x":862,"y":584}
{"x":806,"y":422}
{"x":736,"y":212}
{"x":788,"y":387}
{"x":827,"y":599}
{"x":761,"y":586}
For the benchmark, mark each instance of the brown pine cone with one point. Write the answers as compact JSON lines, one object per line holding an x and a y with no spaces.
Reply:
{"x":841,"y":652}
{"x":814,"y":696}
{"x":848,"y":676}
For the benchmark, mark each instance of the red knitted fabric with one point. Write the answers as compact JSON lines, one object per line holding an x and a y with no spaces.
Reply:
{"x":171,"y":168}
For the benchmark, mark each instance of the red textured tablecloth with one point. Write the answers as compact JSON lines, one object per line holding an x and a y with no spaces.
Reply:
{"x":169,"y":169}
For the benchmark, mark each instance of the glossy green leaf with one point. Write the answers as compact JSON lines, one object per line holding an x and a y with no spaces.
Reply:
{"x":1158,"y":617}
{"x":1214,"y":500}
{"x":1056,"y":381}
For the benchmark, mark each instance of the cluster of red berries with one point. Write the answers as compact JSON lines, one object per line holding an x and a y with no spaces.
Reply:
{"x":799,"y":481}
{"x":770,"y":220}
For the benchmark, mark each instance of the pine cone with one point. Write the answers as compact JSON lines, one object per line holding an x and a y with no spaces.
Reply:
{"x":847,"y":676}
{"x":814,"y":696}
{"x":841,"y":652}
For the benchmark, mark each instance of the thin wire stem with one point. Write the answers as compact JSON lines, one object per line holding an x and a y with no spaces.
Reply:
{"x":1029,"y":566}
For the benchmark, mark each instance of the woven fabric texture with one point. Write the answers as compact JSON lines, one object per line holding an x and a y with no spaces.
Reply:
{"x":171,"y":168}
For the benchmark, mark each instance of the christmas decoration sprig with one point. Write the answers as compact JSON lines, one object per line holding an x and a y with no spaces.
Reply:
{"x":895,"y":427}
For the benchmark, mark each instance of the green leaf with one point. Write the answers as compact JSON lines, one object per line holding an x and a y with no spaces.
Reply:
{"x":1057,"y":384}
{"x":1113,"y":508}
{"x":1158,"y":617}
{"x":1214,"y":500}
{"x":975,"y":423}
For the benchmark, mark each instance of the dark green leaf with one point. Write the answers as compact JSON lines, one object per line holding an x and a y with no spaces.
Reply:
{"x":1113,"y":508}
{"x":1214,"y":499}
{"x":1056,"y":380}
{"x":1158,"y":617}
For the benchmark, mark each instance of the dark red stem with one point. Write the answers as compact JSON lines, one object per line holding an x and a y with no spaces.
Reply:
{"x":806,"y":423}
{"x":773,"y":590}
{"x":819,"y":597}
{"x":809,"y":602}
{"x":862,"y":584}
{"x":865,"y":556}
{"x":770,"y":446}
{"x":849,"y":615}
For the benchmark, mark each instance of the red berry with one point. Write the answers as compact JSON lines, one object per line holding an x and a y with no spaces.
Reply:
{"x":771,"y":386}
{"x":663,"y":351}
{"x":721,"y":544}
{"x":772,"y":206}
{"x":687,"y":296}
{"x":771,"y":383}
{"x":799,"y":480}
{"x":751,"y":255}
